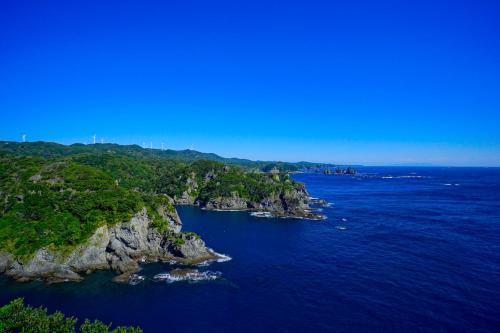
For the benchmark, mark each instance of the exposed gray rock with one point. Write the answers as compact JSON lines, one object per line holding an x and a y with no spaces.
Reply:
{"x":91,"y":256}
{"x":44,"y":264}
{"x":192,"y":248}
{"x":36,"y":178}
{"x":120,"y":248}
{"x":5,"y":260}
{"x":185,"y":199}
{"x":293,"y":203}
{"x":172,"y":217}
{"x":232,"y":203}
{"x":188,"y":197}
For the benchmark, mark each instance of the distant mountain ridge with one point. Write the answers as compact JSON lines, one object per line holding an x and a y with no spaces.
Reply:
{"x":54,"y":150}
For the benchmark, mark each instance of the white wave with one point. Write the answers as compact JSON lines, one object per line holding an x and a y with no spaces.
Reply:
{"x":344,"y":219}
{"x":190,"y":275}
{"x":293,"y":217}
{"x":204,"y":263}
{"x":403,"y":176}
{"x":221,"y":258}
{"x":447,"y":184}
{"x":135,"y":279}
{"x":161,"y":276}
{"x":170,"y":262}
{"x":262,"y":214}
{"x":341,"y":228}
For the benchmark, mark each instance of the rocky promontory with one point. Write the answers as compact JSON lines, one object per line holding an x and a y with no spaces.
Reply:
{"x":293,"y":202}
{"x":121,"y":248}
{"x":62,"y":216}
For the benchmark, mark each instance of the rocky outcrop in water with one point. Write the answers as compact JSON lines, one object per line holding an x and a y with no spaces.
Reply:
{"x":120,"y":248}
{"x":292,"y":204}
{"x":217,"y":187}
{"x":348,"y":171}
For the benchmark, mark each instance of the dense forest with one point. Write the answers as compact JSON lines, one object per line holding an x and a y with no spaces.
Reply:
{"x":50,"y":149}
{"x":56,"y":199}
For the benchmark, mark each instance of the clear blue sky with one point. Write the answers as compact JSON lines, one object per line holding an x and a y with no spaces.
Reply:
{"x":372,"y":82}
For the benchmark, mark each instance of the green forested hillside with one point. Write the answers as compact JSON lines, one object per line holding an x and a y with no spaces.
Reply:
{"x":50,"y":198}
{"x":60,"y":203}
{"x":50,"y":149}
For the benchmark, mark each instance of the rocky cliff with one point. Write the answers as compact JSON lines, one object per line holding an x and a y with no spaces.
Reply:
{"x":120,"y":248}
{"x":292,"y":203}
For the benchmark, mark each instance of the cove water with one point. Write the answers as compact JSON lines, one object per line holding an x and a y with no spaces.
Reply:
{"x":401,"y":250}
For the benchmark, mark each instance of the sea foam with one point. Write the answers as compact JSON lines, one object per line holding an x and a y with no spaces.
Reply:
{"x":189,"y":275}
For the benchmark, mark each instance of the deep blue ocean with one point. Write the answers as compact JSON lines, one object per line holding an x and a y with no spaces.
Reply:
{"x":401,"y":250}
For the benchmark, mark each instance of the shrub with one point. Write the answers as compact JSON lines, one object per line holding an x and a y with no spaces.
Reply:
{"x":18,"y":317}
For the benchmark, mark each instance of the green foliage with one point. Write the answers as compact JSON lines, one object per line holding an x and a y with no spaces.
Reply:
{"x":177,"y":239}
{"x":192,"y":234}
{"x":50,"y":149}
{"x":99,"y":327}
{"x":158,"y":206}
{"x":18,"y":317}
{"x":59,"y":204}
{"x":60,"y":200}
{"x":252,"y":186}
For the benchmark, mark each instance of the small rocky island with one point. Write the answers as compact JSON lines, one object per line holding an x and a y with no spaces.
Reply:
{"x":67,"y":211}
{"x":340,"y":171}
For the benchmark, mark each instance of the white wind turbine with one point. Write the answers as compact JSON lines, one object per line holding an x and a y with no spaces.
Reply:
{"x":94,"y":138}
{"x":162,"y":146}
{"x":24,"y":137}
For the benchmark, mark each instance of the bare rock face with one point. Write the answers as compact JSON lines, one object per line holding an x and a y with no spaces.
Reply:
{"x":131,"y":242}
{"x":232,"y":203}
{"x":194,"y":248}
{"x":120,"y":248}
{"x":91,"y":256}
{"x":5,"y":261}
{"x":188,"y":197}
{"x":44,"y":264}
{"x":191,"y":248}
{"x":185,"y":199}
{"x":293,"y":203}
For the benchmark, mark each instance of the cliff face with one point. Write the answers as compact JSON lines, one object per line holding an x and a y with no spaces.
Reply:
{"x":292,"y":203}
{"x":120,"y":248}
